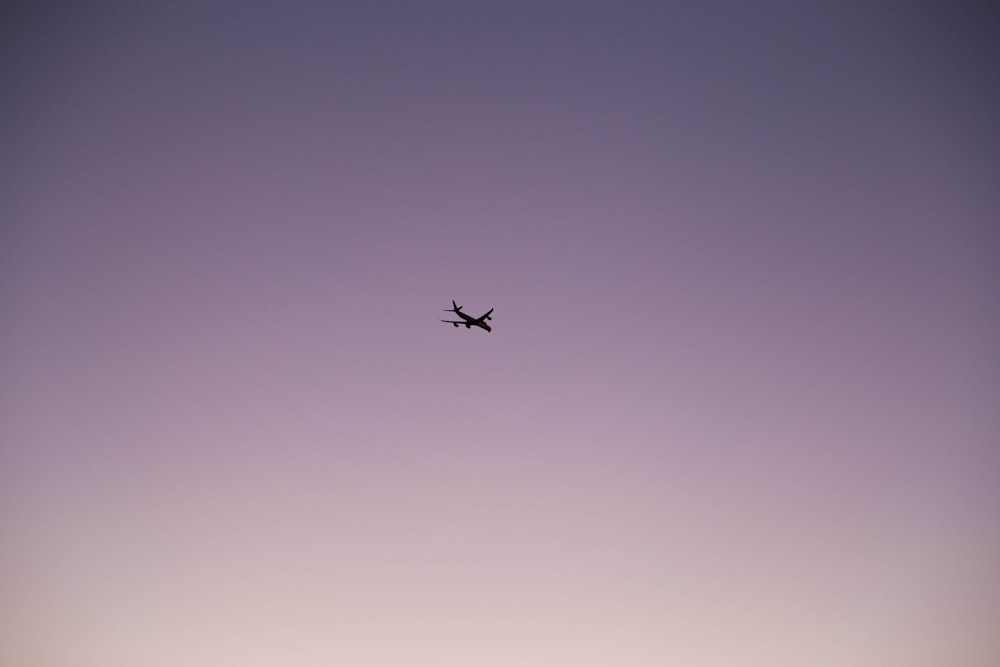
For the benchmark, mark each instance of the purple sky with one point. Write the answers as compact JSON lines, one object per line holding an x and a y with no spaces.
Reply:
{"x":738,"y":406}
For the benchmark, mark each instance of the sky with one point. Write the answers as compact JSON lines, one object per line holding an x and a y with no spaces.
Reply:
{"x":738,"y":407}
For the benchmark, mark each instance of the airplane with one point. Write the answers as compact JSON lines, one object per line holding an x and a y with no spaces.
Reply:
{"x":468,"y":320}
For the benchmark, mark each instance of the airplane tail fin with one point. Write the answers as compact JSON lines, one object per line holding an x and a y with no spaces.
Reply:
{"x":454,"y":307}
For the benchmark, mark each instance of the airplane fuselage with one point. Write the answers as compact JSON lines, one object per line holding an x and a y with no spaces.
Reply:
{"x":469,"y":320}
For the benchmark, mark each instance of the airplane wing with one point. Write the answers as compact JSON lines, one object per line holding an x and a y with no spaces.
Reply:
{"x":467,"y":325}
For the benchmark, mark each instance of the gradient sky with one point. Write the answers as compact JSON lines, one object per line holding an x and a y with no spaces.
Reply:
{"x":739,"y":404}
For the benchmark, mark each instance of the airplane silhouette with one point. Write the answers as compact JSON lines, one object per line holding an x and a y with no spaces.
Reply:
{"x":468,"y":320}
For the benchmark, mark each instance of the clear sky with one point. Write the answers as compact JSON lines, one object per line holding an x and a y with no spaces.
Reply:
{"x":738,"y":408}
